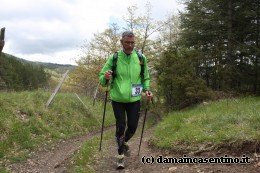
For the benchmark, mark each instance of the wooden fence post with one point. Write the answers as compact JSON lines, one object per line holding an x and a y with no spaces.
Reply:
{"x":57,"y":89}
{"x":2,"y":39}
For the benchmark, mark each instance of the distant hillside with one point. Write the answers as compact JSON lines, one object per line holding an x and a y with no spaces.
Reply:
{"x":16,"y":75}
{"x":58,"y":68}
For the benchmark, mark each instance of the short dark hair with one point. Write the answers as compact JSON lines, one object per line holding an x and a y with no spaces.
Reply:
{"x":127,"y":34}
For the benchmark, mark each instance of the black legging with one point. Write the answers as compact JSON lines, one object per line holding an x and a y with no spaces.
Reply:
{"x":132,"y":111}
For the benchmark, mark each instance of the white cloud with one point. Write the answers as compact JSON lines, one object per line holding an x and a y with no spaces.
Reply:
{"x":53,"y":30}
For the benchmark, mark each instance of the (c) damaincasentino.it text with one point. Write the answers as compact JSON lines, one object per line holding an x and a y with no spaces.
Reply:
{"x":195,"y":160}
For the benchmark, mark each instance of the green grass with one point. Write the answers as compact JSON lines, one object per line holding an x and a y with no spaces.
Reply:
{"x":26,"y":123}
{"x":88,"y":154}
{"x":211,"y":124}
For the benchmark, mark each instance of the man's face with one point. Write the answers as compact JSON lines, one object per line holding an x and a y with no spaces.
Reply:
{"x":128,"y":44}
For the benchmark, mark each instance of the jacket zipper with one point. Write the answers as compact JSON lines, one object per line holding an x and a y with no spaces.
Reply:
{"x":129,"y":74}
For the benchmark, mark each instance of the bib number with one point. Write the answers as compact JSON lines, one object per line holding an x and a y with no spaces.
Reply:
{"x":137,"y":89}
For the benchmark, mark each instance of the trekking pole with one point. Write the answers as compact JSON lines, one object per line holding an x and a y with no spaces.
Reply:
{"x":104,"y":113}
{"x":147,"y":105}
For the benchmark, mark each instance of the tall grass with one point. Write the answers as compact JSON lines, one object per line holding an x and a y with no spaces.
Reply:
{"x":26,"y":123}
{"x":210,"y":124}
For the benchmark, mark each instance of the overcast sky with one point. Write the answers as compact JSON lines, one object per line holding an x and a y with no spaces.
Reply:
{"x":53,"y":30}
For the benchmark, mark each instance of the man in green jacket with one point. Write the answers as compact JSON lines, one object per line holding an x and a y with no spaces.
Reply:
{"x":126,"y":90}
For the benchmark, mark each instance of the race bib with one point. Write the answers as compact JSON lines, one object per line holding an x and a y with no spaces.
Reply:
{"x":137,"y":89}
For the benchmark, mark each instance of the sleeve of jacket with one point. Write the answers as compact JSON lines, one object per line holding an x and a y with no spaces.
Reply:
{"x":146,"y":81}
{"x":107,"y":66}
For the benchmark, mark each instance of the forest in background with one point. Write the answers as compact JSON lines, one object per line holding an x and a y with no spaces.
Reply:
{"x":17,"y":74}
{"x":208,"y":51}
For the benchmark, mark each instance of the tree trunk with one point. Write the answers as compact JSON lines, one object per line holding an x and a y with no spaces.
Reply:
{"x":230,"y":69}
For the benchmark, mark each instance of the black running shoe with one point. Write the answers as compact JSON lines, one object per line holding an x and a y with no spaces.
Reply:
{"x":120,"y":162}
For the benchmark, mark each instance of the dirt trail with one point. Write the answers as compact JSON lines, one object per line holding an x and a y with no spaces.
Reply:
{"x":53,"y":160}
{"x":134,"y":164}
{"x":56,"y":160}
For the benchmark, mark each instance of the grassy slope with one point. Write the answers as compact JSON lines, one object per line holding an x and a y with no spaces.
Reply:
{"x":204,"y":125}
{"x":211,"y":124}
{"x":26,"y":123}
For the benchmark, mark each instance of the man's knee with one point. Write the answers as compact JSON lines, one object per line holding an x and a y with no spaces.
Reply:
{"x":120,"y":130}
{"x":132,"y":128}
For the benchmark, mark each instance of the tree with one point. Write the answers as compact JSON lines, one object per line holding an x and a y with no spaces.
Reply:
{"x":105,"y":43}
{"x":226,"y":33}
{"x":85,"y":77}
{"x":170,"y":31}
{"x":144,"y":28}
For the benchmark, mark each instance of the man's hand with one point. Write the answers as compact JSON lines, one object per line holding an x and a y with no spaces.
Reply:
{"x":108,"y":75}
{"x":149,"y":95}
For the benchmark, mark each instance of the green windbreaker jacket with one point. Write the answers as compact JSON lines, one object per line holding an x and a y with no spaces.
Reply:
{"x":128,"y":71}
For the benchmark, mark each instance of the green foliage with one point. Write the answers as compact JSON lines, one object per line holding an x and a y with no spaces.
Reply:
{"x":26,"y":123}
{"x":212,"y":124}
{"x":85,"y":78}
{"x":225,"y":32}
{"x":103,"y":44}
{"x":179,"y":85}
{"x":2,"y":170}
{"x":17,"y":76}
